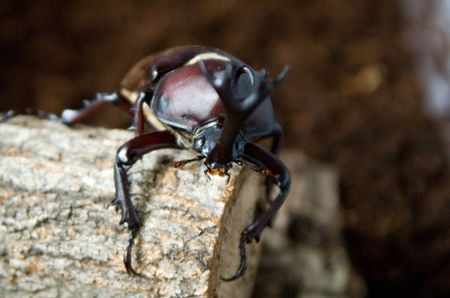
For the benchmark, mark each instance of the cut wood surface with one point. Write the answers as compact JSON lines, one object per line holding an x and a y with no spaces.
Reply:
{"x":57,"y":238}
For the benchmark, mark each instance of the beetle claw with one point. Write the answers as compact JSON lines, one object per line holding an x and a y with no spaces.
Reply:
{"x":243,"y":259}
{"x":115,"y":203}
{"x":250,"y":233}
{"x":128,"y":253}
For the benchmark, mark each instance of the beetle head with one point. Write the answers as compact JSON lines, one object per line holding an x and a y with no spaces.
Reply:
{"x":206,"y":138}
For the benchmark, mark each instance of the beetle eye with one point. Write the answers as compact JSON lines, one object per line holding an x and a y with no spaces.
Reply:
{"x":243,"y":82}
{"x":199,"y":141}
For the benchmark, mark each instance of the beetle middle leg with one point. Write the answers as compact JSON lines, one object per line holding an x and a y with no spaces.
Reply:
{"x":261,"y":158}
{"x":126,"y":156}
{"x":72,"y":116}
{"x":69,"y":116}
{"x":5,"y":116}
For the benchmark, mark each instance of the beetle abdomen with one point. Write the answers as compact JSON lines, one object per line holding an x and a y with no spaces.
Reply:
{"x":184,"y":98}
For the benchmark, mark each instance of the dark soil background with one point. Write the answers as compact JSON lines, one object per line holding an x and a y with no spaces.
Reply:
{"x":355,"y":98}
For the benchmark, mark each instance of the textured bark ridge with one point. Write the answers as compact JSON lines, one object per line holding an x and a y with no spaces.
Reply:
{"x":58,"y":239}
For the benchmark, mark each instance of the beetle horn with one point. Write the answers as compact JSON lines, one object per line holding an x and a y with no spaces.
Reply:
{"x":280,"y":77}
{"x":221,"y":81}
{"x":237,"y":108}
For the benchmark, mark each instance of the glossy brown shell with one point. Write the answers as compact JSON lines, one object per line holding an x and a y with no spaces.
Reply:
{"x":185,"y":99}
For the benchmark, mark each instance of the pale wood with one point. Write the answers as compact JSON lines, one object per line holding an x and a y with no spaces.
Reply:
{"x":58,"y":239}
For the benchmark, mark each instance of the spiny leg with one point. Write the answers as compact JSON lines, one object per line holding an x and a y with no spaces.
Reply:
{"x":126,"y":156}
{"x":28,"y":111}
{"x":70,"y":116}
{"x":276,"y":135}
{"x":259,"y":157}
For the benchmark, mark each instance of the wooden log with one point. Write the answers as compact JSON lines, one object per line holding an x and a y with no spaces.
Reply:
{"x":57,"y":238}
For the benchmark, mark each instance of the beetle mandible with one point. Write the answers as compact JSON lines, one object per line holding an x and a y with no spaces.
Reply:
{"x":201,"y":99}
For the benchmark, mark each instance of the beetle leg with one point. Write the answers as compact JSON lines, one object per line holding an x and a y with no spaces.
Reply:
{"x":126,"y":156}
{"x":5,"y":116}
{"x":276,"y":135}
{"x":70,"y":116}
{"x":28,"y":111}
{"x":138,"y":117}
{"x":258,"y":156}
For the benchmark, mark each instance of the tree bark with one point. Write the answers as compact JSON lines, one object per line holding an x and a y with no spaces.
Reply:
{"x":57,"y":238}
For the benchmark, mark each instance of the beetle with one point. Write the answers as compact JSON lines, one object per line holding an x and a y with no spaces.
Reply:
{"x":205,"y":100}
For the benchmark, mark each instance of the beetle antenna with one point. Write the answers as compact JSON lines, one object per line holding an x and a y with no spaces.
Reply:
{"x":261,"y":170}
{"x":182,"y":163}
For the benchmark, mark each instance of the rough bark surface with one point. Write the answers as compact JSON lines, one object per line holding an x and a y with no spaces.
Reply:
{"x":58,"y":239}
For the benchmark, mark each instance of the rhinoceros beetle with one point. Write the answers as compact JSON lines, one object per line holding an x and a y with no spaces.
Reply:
{"x":201,"y":99}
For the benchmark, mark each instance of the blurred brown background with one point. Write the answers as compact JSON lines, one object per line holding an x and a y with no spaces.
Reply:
{"x":367,"y":93}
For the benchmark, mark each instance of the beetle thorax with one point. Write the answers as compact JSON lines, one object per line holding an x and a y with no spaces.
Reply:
{"x":184,"y":98}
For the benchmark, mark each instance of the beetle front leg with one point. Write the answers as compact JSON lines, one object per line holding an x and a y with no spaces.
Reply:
{"x":276,"y":135}
{"x":126,"y":156}
{"x":262,"y":159}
